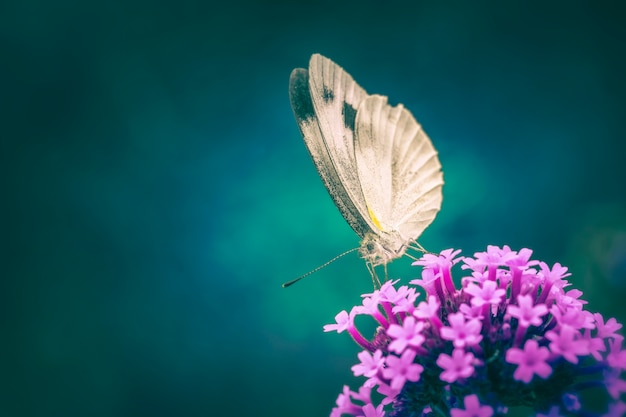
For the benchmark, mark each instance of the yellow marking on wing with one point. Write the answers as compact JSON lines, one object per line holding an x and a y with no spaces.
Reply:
{"x":374,"y":219}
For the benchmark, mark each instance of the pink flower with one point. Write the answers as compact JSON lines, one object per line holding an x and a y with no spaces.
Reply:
{"x":370,"y":306}
{"x":608,"y":329}
{"x":520,"y":260}
{"x":571,"y":300}
{"x":526,"y":313}
{"x":457,"y":366}
{"x":438,"y":262}
{"x":388,"y":392}
{"x":493,"y":257}
{"x":387,"y":286}
{"x":489,"y":293}
{"x":405,"y":302}
{"x":494,"y":330}
{"x":616,"y":357}
{"x":402,"y":369}
{"x":595,"y":345}
{"x":343,"y":321}
{"x":370,"y":411}
{"x":364,"y":394}
{"x":370,"y":364}
{"x":440,"y":265}
{"x":400,"y":295}
{"x":409,"y":334}
{"x":571,"y":317}
{"x":530,"y":360}
{"x":471,"y":312}
{"x":344,"y":404}
{"x":460,"y":332}
{"x":613,"y":383}
{"x":472,"y":408}
{"x":554,"y":275}
{"x":428,"y":281}
{"x":565,"y":343}
{"x":617,"y":409}
{"x":427,"y":309}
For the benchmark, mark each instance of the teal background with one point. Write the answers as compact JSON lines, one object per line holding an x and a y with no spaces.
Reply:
{"x":156,"y":191}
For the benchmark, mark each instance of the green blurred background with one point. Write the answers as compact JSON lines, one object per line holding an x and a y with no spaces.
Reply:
{"x":157,"y":191}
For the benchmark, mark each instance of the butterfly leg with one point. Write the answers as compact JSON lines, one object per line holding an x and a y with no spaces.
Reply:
{"x":417,"y":247}
{"x":408,"y":255}
{"x":375,"y":280}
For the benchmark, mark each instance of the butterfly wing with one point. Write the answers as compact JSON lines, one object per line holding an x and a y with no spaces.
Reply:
{"x":398,"y":169}
{"x":325,"y":100}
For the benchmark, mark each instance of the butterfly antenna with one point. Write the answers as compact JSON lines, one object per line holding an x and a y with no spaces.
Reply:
{"x":293,"y":281}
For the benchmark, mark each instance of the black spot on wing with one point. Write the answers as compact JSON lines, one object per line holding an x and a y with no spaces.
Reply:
{"x":299,"y":95}
{"x":349,"y":116}
{"x":328,"y":94}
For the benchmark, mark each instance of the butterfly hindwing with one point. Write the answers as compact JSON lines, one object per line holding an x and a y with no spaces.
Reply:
{"x":398,"y":168}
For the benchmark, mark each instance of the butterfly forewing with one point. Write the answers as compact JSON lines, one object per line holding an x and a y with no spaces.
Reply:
{"x":336,"y":98}
{"x":307,"y":120}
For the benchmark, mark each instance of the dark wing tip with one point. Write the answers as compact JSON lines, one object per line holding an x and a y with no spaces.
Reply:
{"x":299,"y":94}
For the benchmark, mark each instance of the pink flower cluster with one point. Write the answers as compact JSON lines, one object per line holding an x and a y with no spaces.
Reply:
{"x":511,"y":335}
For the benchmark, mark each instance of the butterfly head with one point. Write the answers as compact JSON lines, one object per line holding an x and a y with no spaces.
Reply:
{"x":382,"y":248}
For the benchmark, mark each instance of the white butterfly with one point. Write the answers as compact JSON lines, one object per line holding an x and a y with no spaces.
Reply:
{"x":378,"y":165}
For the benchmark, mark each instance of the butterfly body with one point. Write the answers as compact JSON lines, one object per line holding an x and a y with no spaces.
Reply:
{"x":376,"y":162}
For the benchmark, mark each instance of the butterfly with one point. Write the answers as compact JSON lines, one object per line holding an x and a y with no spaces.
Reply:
{"x":378,"y":165}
